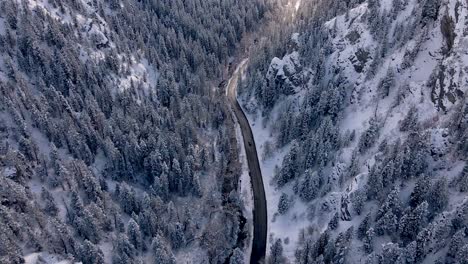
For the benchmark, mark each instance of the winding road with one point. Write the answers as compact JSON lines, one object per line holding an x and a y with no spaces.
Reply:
{"x":260,"y":208}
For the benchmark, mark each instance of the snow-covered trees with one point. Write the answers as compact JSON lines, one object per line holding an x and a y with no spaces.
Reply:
{"x":462,"y":180}
{"x":431,"y":9}
{"x":412,"y":222}
{"x":364,"y":226}
{"x":161,"y":252}
{"x":284,"y":204}
{"x":124,"y":251}
{"x":90,"y":254}
{"x":309,"y":186}
{"x":358,"y":200}
{"x":391,"y":173}
{"x":289,"y":167}
{"x":276,"y":253}
{"x":438,"y":197}
{"x":410,"y":122}
{"x":370,"y":136}
{"x":447,"y":26}
{"x":369,"y":240}
{"x":334,"y":221}
{"x":387,"y":83}
{"x":50,"y":205}
{"x":237,"y":257}
{"x":420,"y":191}
{"x":176,"y":235}
{"x":134,"y":234}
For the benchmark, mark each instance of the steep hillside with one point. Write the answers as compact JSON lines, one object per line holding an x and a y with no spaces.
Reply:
{"x":114,"y":145}
{"x":362,"y":123}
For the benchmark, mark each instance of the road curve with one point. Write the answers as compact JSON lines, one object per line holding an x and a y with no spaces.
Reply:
{"x":260,"y":208}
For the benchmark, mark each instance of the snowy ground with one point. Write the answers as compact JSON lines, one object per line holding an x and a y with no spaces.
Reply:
{"x":39,"y":257}
{"x":288,"y":226}
{"x":246,"y":192}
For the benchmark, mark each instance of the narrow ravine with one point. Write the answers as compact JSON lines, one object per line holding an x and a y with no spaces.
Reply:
{"x":260,"y":208}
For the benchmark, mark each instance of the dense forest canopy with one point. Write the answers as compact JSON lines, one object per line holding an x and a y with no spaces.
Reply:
{"x":112,"y":148}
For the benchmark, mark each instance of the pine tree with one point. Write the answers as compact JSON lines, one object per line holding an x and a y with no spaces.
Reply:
{"x":288,"y":169}
{"x":390,"y":253}
{"x":387,"y":224}
{"x":430,"y":9}
{"x":387,"y":83}
{"x":364,"y":226}
{"x":123,"y":251}
{"x":370,"y":136}
{"x":237,"y":257}
{"x":284,"y":204}
{"x":161,"y":252}
{"x":358,"y":199}
{"x":462,"y":256}
{"x":309,"y":186}
{"x":50,"y":204}
{"x":177,"y":235}
{"x":456,"y":244}
{"x":134,"y":234}
{"x":334,"y":222}
{"x":462,"y":180}
{"x":374,"y":184}
{"x":368,"y":241}
{"x":420,"y":191}
{"x":276,"y":253}
{"x":438,"y":197}
{"x":90,"y":253}
{"x":412,"y":222}
{"x":410,"y":122}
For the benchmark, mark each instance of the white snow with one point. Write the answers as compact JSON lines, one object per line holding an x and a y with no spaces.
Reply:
{"x":140,"y":73}
{"x":42,"y":257}
{"x":295,"y":38}
{"x":246,"y":192}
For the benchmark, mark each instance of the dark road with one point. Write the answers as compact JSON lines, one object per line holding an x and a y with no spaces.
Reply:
{"x":260,"y":210}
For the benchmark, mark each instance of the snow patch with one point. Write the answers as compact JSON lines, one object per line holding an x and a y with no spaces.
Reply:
{"x":246,"y":191}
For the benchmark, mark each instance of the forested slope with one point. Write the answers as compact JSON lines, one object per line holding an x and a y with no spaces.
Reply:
{"x":364,"y":113}
{"x":114,"y":145}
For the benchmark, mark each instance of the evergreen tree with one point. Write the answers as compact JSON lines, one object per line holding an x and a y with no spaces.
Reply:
{"x":276,"y":253}
{"x":289,"y":167}
{"x":177,"y":235}
{"x":370,"y":136}
{"x":284,"y":204}
{"x":134,"y":234}
{"x":333,"y":224}
{"x":431,"y":9}
{"x":420,"y":191}
{"x":123,"y":251}
{"x":412,"y":222}
{"x":50,"y":204}
{"x":437,"y":197}
{"x":90,"y":253}
{"x":161,"y":252}
{"x":237,"y":257}
{"x":369,"y":240}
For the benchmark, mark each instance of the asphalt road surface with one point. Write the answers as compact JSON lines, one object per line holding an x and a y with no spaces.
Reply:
{"x":260,"y":209}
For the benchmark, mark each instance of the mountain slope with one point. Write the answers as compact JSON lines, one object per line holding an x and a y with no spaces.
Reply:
{"x":364,"y":114}
{"x":114,"y":145}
